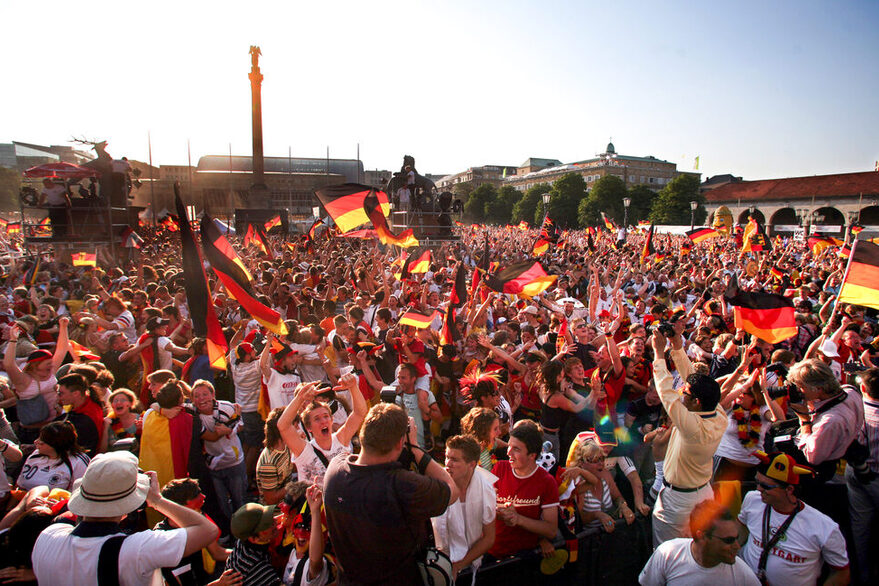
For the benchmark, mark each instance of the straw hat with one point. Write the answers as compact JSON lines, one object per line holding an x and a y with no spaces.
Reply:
{"x":111,"y":486}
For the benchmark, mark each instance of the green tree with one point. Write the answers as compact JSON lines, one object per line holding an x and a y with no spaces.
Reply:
{"x":500,"y":209}
{"x":606,"y":196}
{"x":672,"y":203}
{"x":565,"y":195}
{"x":474,"y":209}
{"x":526,"y":207}
{"x":10,"y":184}
{"x":642,"y":199}
{"x":463,"y":190}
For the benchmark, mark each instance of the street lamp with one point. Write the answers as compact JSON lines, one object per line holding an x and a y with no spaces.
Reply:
{"x":546,"y":197}
{"x":627,"y":201}
{"x":693,"y":205}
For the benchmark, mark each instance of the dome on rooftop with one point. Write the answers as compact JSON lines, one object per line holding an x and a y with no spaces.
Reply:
{"x":610,"y":150}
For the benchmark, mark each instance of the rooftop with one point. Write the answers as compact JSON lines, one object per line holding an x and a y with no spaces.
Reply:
{"x":837,"y":185}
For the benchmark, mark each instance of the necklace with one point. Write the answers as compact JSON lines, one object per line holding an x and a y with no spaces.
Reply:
{"x":748,"y":424}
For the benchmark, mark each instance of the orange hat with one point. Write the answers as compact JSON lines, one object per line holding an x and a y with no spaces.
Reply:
{"x":779,"y":466}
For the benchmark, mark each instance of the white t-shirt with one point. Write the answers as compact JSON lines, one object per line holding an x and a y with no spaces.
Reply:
{"x":731,"y":447}
{"x":125,"y":323}
{"x":55,"y":195}
{"x":321,"y":579}
{"x":281,"y":387}
{"x":309,"y":466}
{"x":248,"y":380}
{"x":409,"y":402}
{"x":226,"y":451}
{"x":673,"y":563}
{"x":812,"y":539}
{"x":38,"y":470}
{"x":166,"y":359}
{"x":60,"y":558}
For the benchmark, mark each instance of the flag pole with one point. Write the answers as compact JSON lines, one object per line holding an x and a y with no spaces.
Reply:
{"x":152,"y":180}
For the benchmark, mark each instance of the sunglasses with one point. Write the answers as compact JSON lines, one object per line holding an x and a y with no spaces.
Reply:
{"x":726,"y":540}
{"x":766,"y":486}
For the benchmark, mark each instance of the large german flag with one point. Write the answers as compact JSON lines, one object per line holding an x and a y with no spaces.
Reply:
{"x":85,"y":259}
{"x":372,"y":208}
{"x":700,"y":234}
{"x":344,"y":203}
{"x":417,"y":262}
{"x":818,"y":243}
{"x":235,"y":277}
{"x":417,"y":319}
{"x":449,"y":332}
{"x":522,"y":278}
{"x":754,"y":238}
{"x":201,"y":308}
{"x":860,"y":286}
{"x":767,"y":316}
{"x":273,"y":223}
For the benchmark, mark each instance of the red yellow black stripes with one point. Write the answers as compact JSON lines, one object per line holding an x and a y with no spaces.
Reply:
{"x":417,"y":319}
{"x":541,"y":245}
{"x":344,"y":203}
{"x":524,"y":278}
{"x":700,"y":234}
{"x":373,"y":210}
{"x":860,"y":286}
{"x":767,"y":316}
{"x":417,"y":262}
{"x":85,"y":259}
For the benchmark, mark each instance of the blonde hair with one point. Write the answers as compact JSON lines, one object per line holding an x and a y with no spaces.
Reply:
{"x":587,"y":450}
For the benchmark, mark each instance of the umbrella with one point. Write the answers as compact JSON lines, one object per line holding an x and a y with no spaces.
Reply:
{"x":576,"y":302}
{"x":61,"y":171}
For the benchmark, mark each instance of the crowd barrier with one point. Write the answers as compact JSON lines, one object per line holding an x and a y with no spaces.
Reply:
{"x":602,"y":558}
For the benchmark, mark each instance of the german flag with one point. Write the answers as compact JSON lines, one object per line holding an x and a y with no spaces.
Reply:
{"x":313,"y":230}
{"x":85,"y":259}
{"x":856,"y":229}
{"x":13,"y":228}
{"x":44,"y":228}
{"x":82,"y":352}
{"x":449,"y":332}
{"x":201,"y":308}
{"x":235,"y":277}
{"x":417,"y":319}
{"x":845,"y":251}
{"x":459,"y":223}
{"x":344,"y":203}
{"x":417,"y":262}
{"x":686,"y":247}
{"x":523,"y":225}
{"x":643,"y":224}
{"x":372,"y":207}
{"x":590,"y":230}
{"x":523,"y":278}
{"x":590,"y":243}
{"x":700,"y":234}
{"x":30,"y":276}
{"x":273,"y":223}
{"x":458,"y":296}
{"x":776,"y":273}
{"x":608,"y":223}
{"x":540,"y":247}
{"x":256,"y":237}
{"x":3,"y":223}
{"x":171,"y":222}
{"x":767,"y":316}
{"x":648,"y":245}
{"x":860,"y":286}
{"x":754,"y":238}
{"x":818,"y":243}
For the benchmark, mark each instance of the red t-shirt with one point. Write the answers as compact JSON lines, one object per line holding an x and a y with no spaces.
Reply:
{"x":530,"y":495}
{"x":417,"y":347}
{"x":613,"y":387}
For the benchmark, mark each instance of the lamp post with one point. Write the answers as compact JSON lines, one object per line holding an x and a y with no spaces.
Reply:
{"x":693,"y":205}
{"x":627,"y":201}
{"x":546,"y":197}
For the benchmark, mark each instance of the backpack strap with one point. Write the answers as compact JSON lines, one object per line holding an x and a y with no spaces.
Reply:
{"x":300,"y":569}
{"x":108,"y":561}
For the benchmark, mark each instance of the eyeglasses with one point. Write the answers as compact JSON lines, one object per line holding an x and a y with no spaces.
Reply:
{"x":726,"y":540}
{"x":767,"y":486}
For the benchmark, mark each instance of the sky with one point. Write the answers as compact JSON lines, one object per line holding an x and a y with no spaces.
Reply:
{"x":757,"y":89}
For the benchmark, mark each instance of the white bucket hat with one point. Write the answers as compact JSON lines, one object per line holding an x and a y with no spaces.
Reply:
{"x":111,"y":486}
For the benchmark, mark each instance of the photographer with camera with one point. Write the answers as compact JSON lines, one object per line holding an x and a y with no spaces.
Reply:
{"x":377,"y":512}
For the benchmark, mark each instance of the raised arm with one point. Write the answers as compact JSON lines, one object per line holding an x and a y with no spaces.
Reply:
{"x":352,"y":424}
{"x":304,"y":393}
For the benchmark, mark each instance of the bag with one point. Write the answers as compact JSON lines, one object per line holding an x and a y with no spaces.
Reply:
{"x":32,"y":411}
{"x":435,"y":568}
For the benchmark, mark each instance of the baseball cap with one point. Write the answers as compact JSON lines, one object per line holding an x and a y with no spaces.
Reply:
{"x":251,"y":519}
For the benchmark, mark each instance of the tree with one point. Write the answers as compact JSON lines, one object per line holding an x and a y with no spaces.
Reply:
{"x":606,"y":196}
{"x":526,"y":208}
{"x":10,"y":185}
{"x":565,"y":195}
{"x":474,"y":209}
{"x":463,"y":190}
{"x":642,"y":199}
{"x":500,"y":209}
{"x":672,"y":203}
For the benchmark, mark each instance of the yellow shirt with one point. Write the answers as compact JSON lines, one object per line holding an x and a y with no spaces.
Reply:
{"x":695,"y":436}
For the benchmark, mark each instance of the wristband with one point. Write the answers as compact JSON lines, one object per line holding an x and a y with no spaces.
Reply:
{"x":5,"y":446}
{"x":424,"y":462}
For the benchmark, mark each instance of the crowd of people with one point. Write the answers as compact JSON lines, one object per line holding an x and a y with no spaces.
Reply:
{"x":358,"y":450}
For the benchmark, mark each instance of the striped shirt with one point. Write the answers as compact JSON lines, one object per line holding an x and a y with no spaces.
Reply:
{"x":869,"y":435}
{"x":252,"y":562}
{"x":273,"y":469}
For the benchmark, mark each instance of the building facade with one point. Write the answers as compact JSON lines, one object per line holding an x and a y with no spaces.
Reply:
{"x":476,"y":176}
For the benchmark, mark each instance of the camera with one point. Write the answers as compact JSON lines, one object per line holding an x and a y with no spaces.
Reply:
{"x":789,"y":390}
{"x":851,"y":367}
{"x":388,"y":394}
{"x":665,"y":328}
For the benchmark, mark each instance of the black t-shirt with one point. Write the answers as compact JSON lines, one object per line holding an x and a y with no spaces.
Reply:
{"x":190,"y":571}
{"x":644,"y":414}
{"x":378,"y":519}
{"x":87,"y":434}
{"x":122,"y":371}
